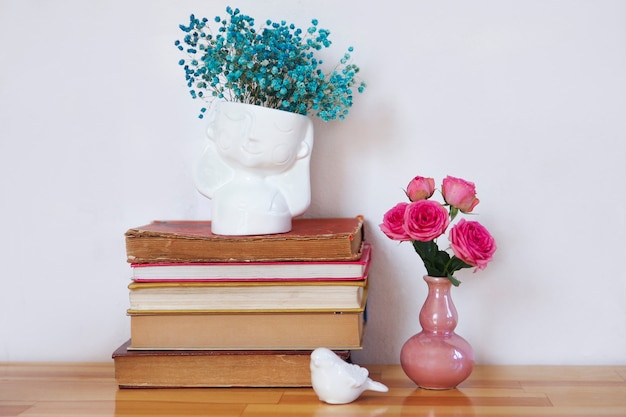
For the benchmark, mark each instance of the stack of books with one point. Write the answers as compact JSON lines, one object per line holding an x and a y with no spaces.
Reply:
{"x":209,"y":310}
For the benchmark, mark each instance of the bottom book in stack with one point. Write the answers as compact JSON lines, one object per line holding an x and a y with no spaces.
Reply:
{"x":213,"y":368}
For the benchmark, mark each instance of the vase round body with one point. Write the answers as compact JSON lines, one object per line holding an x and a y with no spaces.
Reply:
{"x":436,"y":357}
{"x":255,"y":168}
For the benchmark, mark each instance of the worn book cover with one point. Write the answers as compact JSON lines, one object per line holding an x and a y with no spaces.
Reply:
{"x":213,"y":368}
{"x":192,"y":241}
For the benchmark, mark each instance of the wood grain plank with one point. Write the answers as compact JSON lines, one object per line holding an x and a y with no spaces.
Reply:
{"x":203,"y":395}
{"x":70,"y":409}
{"x":89,"y":390}
{"x":58,"y":390}
{"x":11,"y":410}
{"x":177,"y":408}
{"x":545,"y":373}
{"x":57,"y":370}
{"x":585,"y":396}
{"x":360,"y":410}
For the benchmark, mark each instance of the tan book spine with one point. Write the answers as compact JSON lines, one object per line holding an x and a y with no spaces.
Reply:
{"x":248,"y":331}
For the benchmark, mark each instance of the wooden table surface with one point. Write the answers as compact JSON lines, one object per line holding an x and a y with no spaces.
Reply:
{"x":39,"y":389}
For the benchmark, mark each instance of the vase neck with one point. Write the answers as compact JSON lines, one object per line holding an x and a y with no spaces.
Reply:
{"x":438,"y":314}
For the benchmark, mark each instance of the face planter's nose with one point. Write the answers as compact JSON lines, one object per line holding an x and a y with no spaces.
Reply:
{"x":252,"y":146}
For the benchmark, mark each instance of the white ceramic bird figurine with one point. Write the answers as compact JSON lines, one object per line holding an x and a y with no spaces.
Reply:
{"x":337,"y":382}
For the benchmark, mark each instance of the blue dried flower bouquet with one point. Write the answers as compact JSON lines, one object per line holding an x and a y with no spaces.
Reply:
{"x":275,"y":66}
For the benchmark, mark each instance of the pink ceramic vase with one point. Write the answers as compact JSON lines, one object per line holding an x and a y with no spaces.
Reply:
{"x":436,"y":357}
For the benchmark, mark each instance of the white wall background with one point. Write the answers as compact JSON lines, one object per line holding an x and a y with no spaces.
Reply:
{"x":525,"y":98}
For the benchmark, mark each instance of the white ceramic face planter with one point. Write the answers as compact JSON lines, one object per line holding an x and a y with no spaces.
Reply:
{"x":255,"y":168}
{"x":258,"y":145}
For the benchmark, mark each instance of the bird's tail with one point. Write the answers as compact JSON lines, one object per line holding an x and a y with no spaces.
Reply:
{"x":377,"y":386}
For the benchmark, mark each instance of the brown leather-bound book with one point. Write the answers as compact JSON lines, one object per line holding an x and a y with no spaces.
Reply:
{"x":192,"y":241}
{"x":213,"y":368}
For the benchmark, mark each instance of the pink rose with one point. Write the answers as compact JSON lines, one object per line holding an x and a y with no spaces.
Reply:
{"x":459,"y":193}
{"x":393,"y":223}
{"x":425,"y":220}
{"x":420,"y":188}
{"x":472,"y":243}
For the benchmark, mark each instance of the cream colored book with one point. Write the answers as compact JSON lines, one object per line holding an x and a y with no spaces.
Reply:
{"x":333,"y":295}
